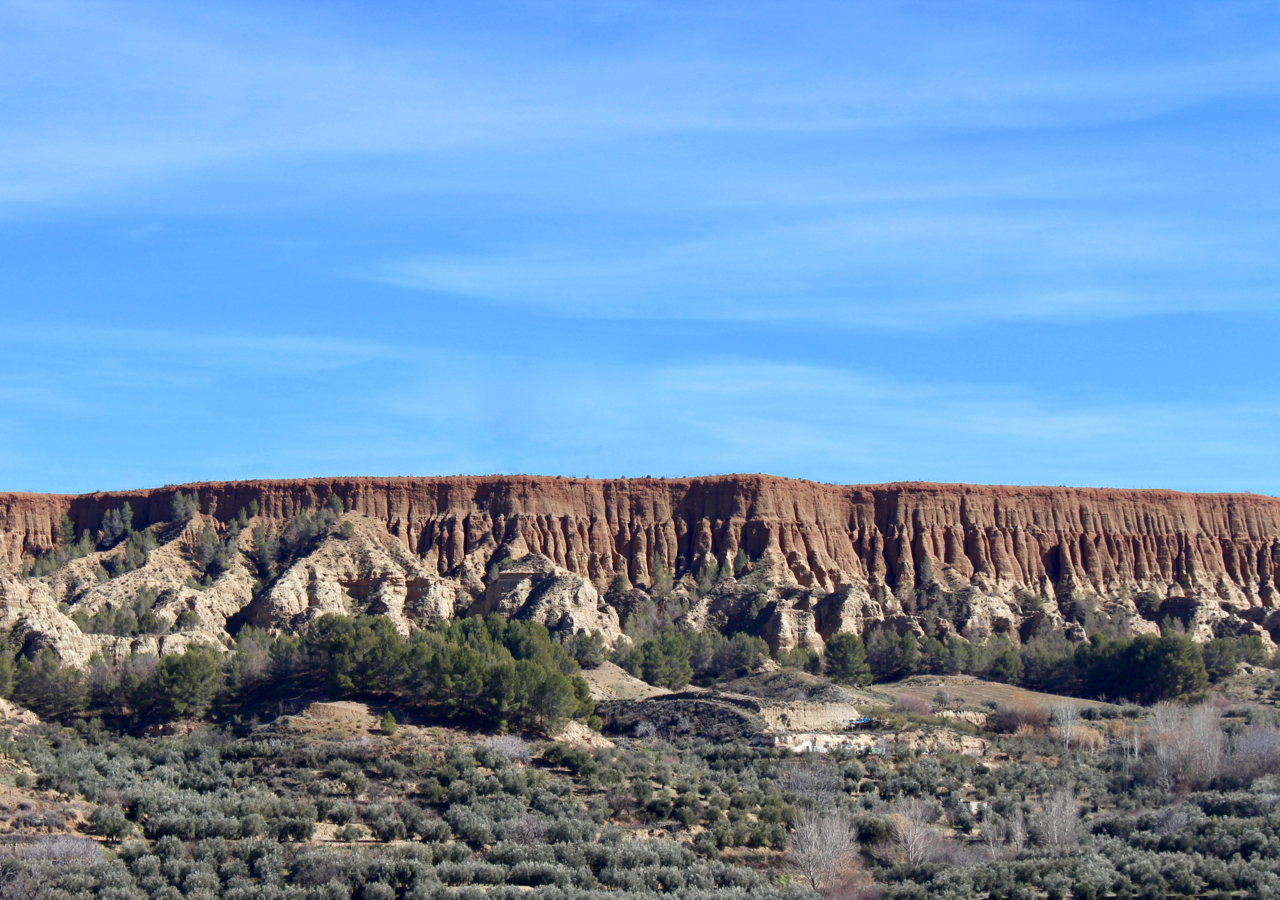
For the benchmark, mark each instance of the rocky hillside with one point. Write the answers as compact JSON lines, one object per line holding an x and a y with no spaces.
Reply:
{"x":793,"y":561}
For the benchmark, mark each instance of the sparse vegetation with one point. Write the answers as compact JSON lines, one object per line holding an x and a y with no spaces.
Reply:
{"x":272,"y":550}
{"x":125,"y":621}
{"x":134,"y":554}
{"x":68,"y":548}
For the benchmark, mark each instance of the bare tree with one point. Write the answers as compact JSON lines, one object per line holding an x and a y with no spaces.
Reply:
{"x":1058,"y":822}
{"x":525,"y":828}
{"x":908,"y":704}
{"x":814,"y":778}
{"x":1188,"y":745}
{"x":63,"y":849}
{"x":993,"y":834}
{"x":20,"y":884}
{"x":619,"y":800}
{"x":1065,"y":718}
{"x":1131,"y":743}
{"x":510,"y":746}
{"x":1016,"y":830}
{"x":824,"y":850}
{"x":1254,"y":753}
{"x":914,"y":835}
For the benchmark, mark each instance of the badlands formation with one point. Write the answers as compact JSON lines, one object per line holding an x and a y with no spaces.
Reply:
{"x":793,"y":561}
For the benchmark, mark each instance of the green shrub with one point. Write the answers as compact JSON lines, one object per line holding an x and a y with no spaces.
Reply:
{"x":356,"y":782}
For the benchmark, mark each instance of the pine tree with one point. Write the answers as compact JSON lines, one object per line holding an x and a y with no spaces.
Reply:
{"x":910,"y":654}
{"x":885,"y":653}
{"x":846,"y":659}
{"x":207,"y":546}
{"x":1163,"y":668}
{"x":183,"y":507}
{"x":185,"y":683}
{"x":66,"y":531}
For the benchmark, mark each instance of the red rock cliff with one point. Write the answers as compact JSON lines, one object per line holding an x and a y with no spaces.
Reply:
{"x":829,"y":537}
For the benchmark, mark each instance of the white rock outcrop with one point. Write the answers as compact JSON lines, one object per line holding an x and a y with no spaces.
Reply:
{"x":29,"y":612}
{"x":367,"y":571}
{"x":533,"y":587}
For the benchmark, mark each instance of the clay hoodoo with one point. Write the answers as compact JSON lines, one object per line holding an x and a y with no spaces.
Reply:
{"x":836,"y":557}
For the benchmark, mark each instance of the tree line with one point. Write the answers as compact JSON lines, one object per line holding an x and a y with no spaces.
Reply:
{"x":1147,"y":668}
{"x":505,"y":674}
{"x":674,"y":657}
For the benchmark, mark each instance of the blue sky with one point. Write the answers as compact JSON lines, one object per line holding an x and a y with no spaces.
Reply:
{"x":1029,"y":243}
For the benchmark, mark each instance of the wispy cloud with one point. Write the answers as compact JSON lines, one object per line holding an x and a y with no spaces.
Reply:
{"x":833,"y":424}
{"x":886,"y":268}
{"x":170,"y":409}
{"x":104,"y":95}
{"x":870,"y":166}
{"x":201,"y":347}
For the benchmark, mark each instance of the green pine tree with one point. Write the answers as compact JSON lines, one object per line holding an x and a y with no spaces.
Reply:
{"x":846,"y":659}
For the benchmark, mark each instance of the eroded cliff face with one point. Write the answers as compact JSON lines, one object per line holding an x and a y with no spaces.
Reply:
{"x":799,"y":560}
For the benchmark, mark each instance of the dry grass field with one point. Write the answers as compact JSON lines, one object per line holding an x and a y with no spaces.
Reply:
{"x":610,"y":682}
{"x":973,"y":691}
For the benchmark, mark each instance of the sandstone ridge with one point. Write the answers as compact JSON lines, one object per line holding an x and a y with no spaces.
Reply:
{"x":801,"y":559}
